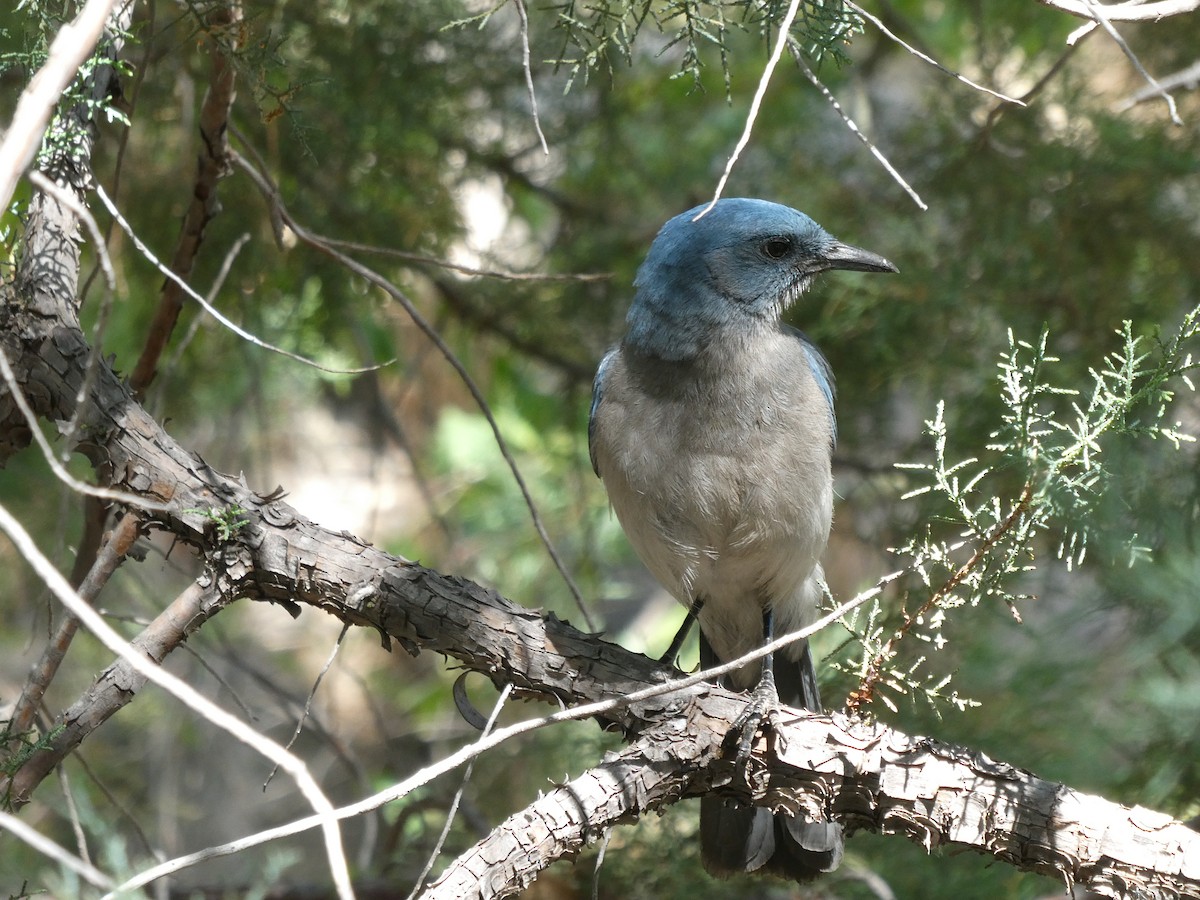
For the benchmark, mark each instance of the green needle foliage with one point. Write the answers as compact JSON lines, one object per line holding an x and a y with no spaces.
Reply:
{"x":982,"y":538}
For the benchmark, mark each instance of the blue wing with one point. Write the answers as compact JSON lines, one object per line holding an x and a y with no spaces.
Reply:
{"x":597,"y":397}
{"x":821,"y":372}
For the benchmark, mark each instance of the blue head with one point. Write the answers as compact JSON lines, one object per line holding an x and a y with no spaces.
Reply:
{"x":736,"y":268}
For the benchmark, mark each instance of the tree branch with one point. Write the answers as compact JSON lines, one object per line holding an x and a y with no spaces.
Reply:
{"x":224,"y":28}
{"x":1132,"y":11}
{"x":73,"y":44}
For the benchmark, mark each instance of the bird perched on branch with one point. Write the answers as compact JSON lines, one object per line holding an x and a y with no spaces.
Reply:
{"x":712,"y":427}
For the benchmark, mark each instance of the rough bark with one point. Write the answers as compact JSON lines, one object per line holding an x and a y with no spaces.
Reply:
{"x":868,"y":776}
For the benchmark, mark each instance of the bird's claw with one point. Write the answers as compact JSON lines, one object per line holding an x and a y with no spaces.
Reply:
{"x":763,"y":709}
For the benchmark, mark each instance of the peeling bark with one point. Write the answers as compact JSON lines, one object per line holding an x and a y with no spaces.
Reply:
{"x":867,"y":776}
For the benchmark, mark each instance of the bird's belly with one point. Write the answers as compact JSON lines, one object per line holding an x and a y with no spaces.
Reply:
{"x":738,"y":525}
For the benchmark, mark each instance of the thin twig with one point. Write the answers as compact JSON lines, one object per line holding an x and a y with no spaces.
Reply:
{"x":533,"y":104}
{"x":108,"y":557}
{"x":500,"y":274}
{"x":1101,"y":17}
{"x":194,"y":327}
{"x":485,"y":743}
{"x":312,"y":694}
{"x":458,"y":795}
{"x":828,"y":94}
{"x":141,"y":247}
{"x":878,"y":23}
{"x":781,"y":43}
{"x":189,"y":696}
{"x":271,"y":193}
{"x":1040,"y":85}
{"x":73,"y":814}
{"x":1187,"y":79}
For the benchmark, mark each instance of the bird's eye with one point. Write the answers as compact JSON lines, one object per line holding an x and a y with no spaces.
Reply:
{"x":777,"y":248}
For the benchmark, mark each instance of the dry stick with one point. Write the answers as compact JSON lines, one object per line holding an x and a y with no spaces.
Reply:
{"x":1187,"y":79}
{"x":866,"y":687}
{"x":189,"y":696}
{"x":312,"y":693}
{"x":64,"y":857}
{"x":212,"y":166}
{"x":533,"y":104}
{"x":107,"y":560}
{"x":483,"y":744}
{"x":73,"y":816}
{"x":1102,"y":19}
{"x":71,"y":46}
{"x":878,"y":23}
{"x":1040,"y":85}
{"x":780,"y":44}
{"x":120,"y":807}
{"x":245,"y":335}
{"x":318,"y":242}
{"x":1132,"y":11}
{"x":501,"y":274}
{"x":458,"y":795}
{"x":854,"y":129}
{"x":182,"y":344}
{"x":114,"y":688}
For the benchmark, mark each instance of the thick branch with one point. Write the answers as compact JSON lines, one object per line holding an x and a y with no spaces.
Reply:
{"x":648,"y":774}
{"x":868,"y":777}
{"x":871,"y":778}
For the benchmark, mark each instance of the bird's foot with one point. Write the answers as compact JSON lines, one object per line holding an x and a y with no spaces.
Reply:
{"x":693,"y":613}
{"x":762,"y":709}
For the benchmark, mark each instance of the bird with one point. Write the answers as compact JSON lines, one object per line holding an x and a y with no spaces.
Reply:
{"x":712,"y":429}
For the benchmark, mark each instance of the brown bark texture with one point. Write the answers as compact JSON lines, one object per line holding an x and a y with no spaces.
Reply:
{"x":866,"y":775}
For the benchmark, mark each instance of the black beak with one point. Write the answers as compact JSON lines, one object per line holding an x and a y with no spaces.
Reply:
{"x":842,"y":256}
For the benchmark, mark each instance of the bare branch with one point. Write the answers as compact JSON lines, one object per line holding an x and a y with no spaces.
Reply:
{"x":646,"y":775}
{"x":1101,"y":17}
{"x":318,"y":242}
{"x":466,"y":778}
{"x":1131,"y":11}
{"x":223,"y":24}
{"x":188,"y":695}
{"x":648,"y":677}
{"x":1187,"y":78}
{"x":865,"y":776}
{"x":141,"y":247}
{"x":58,"y":853}
{"x":854,"y":129}
{"x":72,"y":45}
{"x":533,"y":104}
{"x":764,"y":80}
{"x":107,"y":559}
{"x":925,"y":57}
{"x":501,"y":274}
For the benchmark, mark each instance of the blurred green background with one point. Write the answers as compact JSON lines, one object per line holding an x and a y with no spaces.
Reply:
{"x":387,"y":124}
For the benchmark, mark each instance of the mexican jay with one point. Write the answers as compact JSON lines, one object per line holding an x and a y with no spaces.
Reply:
{"x":712,"y":426}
